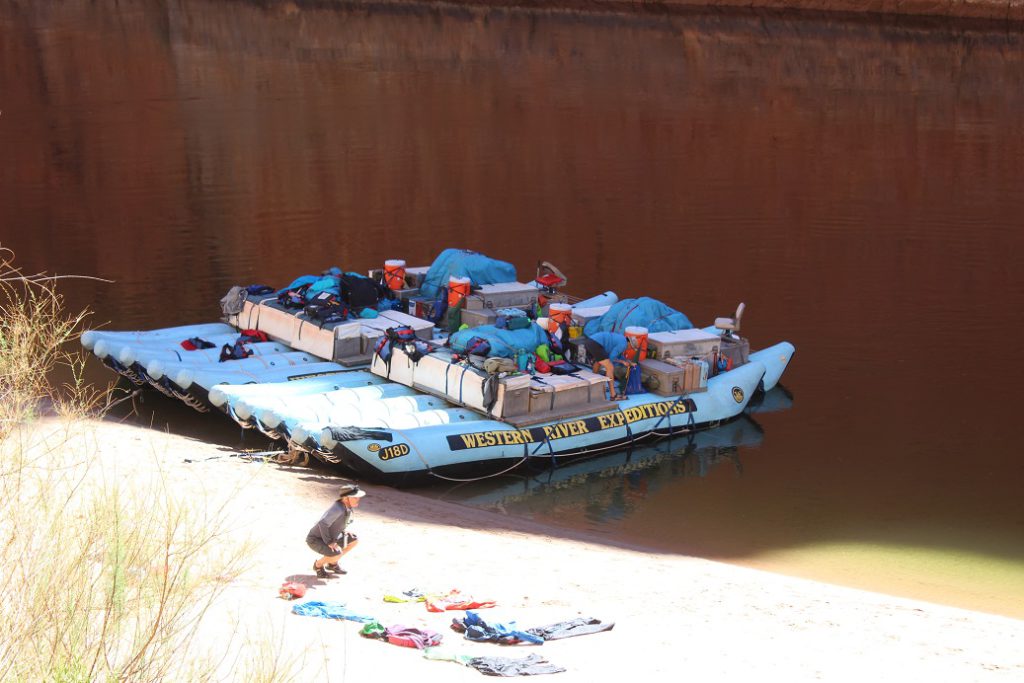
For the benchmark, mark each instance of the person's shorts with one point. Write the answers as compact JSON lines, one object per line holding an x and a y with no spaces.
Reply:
{"x":595,"y":352}
{"x":317,"y":544}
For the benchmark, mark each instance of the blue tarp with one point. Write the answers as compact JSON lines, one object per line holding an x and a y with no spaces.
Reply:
{"x":482,"y":270}
{"x":503,"y":343}
{"x":642,"y":312}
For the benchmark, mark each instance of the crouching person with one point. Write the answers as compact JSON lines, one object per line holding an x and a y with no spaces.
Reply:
{"x":330,"y":536}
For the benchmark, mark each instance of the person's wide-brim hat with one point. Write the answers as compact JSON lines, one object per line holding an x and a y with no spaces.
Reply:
{"x":351,"y":491}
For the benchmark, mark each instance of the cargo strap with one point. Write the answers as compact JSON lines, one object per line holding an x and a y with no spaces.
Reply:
{"x":462,"y":381}
{"x":690,"y":422}
{"x":254,"y":325}
{"x":551,"y":450}
{"x":668,"y":414}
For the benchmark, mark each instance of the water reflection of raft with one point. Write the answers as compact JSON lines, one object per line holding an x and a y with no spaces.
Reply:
{"x":419,"y":415}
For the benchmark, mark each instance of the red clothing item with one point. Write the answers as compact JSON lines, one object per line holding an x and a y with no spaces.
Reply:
{"x":454,"y":600}
{"x":292,"y":589}
{"x":254,"y":336}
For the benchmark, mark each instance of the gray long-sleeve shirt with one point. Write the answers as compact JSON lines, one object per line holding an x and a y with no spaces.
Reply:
{"x":332,"y":525}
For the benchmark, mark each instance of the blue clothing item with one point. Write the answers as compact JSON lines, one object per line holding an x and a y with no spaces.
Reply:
{"x":641,"y":312}
{"x":613,"y":343}
{"x":299,"y":282}
{"x":482,"y":270}
{"x":393,"y":305}
{"x":329,"y":610}
{"x":323,"y":284}
{"x":328,"y":280}
{"x":507,"y":633}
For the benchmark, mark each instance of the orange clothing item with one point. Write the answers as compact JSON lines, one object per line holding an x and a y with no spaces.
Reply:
{"x":455,"y":600}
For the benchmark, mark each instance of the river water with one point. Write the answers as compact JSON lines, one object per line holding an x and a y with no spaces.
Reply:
{"x":860,"y":185}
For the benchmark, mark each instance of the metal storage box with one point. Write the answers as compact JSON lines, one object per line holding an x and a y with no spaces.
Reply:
{"x":542,"y":398}
{"x":565,"y":392}
{"x":736,"y":349}
{"x":582,"y":316}
{"x":504,"y":295}
{"x":569,"y":391}
{"x":685,"y":343}
{"x":479,"y":317}
{"x":348,"y":340}
{"x":513,"y":396}
{"x":670,"y":380}
{"x":558,"y":394}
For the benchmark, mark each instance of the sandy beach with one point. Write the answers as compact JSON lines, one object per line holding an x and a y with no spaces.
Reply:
{"x":676,"y":617}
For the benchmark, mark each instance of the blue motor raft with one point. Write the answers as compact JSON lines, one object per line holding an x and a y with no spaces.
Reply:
{"x":397,"y":429}
{"x":384,"y":431}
